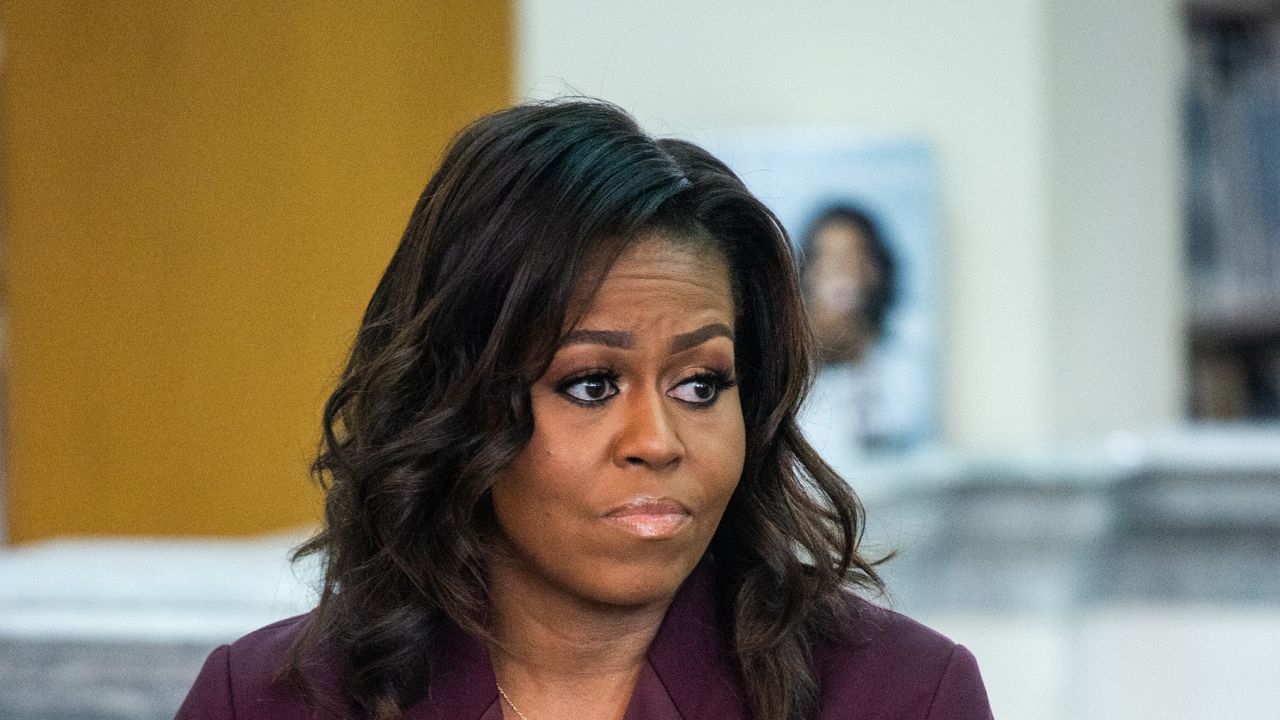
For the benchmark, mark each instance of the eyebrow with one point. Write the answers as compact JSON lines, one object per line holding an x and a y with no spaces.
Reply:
{"x":609,"y":338}
{"x":692,"y":339}
{"x":623,"y":340}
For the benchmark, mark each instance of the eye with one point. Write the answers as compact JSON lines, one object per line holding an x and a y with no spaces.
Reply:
{"x":702,"y":389}
{"x":590,"y":389}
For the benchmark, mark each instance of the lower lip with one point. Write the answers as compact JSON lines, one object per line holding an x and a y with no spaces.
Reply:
{"x":652,"y":527}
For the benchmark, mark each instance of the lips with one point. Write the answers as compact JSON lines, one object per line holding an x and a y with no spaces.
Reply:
{"x":650,"y":518}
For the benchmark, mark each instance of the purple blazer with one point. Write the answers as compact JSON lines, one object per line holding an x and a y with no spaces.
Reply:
{"x":892,"y":668}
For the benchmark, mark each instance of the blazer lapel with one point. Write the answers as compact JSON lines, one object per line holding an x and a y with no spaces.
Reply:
{"x":690,"y":657}
{"x":463,"y":687}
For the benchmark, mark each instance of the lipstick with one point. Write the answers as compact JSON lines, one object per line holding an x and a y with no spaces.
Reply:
{"x":650,"y":518}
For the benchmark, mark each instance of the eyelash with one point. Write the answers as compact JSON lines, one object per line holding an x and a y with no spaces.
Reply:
{"x":719,"y":380}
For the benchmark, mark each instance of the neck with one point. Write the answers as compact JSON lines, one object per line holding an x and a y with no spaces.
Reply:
{"x":552,"y":650}
{"x":553,"y":632}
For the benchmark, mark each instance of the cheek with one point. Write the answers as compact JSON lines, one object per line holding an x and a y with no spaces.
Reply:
{"x":723,"y":449}
{"x":539,"y":499}
{"x":530,"y":487}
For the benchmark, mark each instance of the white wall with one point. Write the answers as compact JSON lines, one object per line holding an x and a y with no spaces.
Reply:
{"x":983,"y":81}
{"x":1114,"y":193}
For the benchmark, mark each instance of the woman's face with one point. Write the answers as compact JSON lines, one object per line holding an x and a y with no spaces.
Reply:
{"x":638,"y":436}
{"x":842,"y":277}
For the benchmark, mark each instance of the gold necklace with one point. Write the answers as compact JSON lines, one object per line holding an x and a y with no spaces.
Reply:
{"x":507,"y":697}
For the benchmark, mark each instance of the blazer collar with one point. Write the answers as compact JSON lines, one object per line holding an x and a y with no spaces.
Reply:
{"x":688,"y":658}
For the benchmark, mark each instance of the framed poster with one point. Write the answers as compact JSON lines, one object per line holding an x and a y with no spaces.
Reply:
{"x":863,"y":214}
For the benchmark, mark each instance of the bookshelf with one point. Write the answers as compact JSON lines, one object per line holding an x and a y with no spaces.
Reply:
{"x":1232,"y":122}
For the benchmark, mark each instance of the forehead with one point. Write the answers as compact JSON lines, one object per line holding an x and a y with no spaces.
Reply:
{"x":839,"y":237}
{"x":659,"y":272}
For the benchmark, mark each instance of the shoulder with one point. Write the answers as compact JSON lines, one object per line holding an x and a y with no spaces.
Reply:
{"x":241,"y":679}
{"x":263,"y":652}
{"x":885,"y":664}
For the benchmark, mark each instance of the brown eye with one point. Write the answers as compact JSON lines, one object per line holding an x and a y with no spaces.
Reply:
{"x":590,"y":389}
{"x":700,"y":390}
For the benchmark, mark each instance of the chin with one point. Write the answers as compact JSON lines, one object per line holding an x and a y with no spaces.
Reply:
{"x":630,"y":585}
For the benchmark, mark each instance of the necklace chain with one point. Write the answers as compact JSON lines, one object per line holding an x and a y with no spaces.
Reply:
{"x":507,"y":697}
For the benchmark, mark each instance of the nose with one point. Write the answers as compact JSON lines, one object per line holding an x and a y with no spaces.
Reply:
{"x":647,"y":435}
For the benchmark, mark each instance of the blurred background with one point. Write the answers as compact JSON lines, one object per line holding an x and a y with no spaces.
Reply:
{"x":199,"y":197}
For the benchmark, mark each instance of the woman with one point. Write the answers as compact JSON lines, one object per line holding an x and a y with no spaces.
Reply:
{"x":563,"y":473}
{"x":849,"y":279}
{"x":867,"y":397}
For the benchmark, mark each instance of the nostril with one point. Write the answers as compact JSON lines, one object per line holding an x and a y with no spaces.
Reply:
{"x":664,"y":460}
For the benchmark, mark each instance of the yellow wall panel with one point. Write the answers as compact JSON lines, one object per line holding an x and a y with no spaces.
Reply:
{"x":199,"y":200}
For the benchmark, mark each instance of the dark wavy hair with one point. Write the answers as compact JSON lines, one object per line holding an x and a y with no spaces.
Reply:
{"x":529,"y":203}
